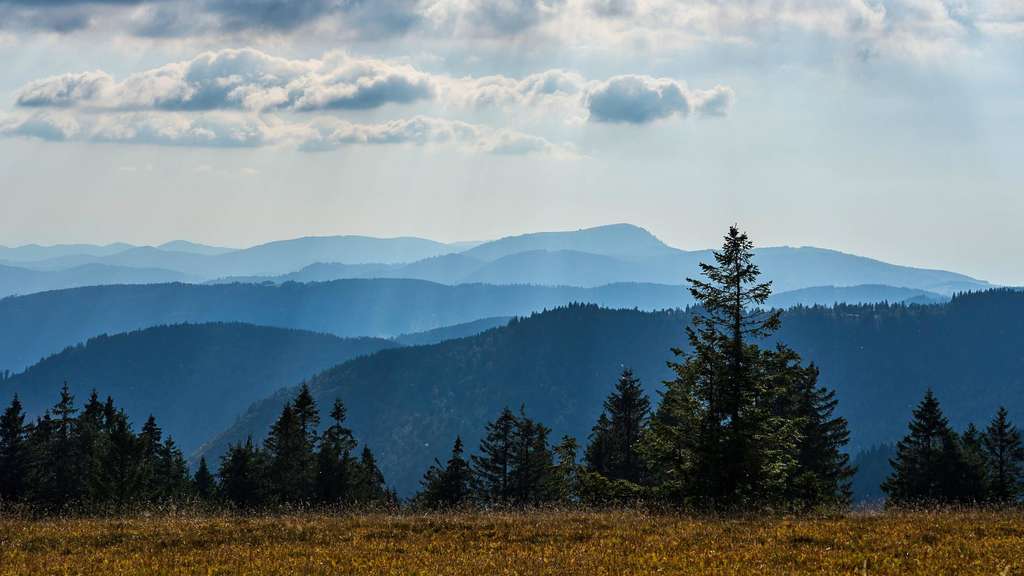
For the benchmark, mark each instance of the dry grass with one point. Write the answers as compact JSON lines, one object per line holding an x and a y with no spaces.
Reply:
{"x":586,"y":543}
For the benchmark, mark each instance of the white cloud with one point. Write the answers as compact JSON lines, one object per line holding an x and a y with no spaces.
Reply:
{"x":333,"y":133}
{"x":239,"y":79}
{"x":643,"y":99}
{"x":250,"y":80}
{"x":242,"y":130}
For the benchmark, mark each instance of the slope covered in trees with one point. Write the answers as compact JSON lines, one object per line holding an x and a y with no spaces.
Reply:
{"x":37,"y":325}
{"x":562,"y":364}
{"x":194,"y":378}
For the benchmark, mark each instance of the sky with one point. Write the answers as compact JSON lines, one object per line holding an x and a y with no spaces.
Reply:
{"x":886,"y":128}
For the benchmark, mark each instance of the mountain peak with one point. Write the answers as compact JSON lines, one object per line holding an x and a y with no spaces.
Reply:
{"x":621,"y":240}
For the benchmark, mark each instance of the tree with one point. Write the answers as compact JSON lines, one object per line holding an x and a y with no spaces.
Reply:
{"x":733,"y":428}
{"x":566,"y":474}
{"x":204,"y":485}
{"x":800,"y":414}
{"x":289,"y":458}
{"x":1004,"y":455}
{"x":616,"y":436}
{"x":493,"y":465}
{"x":242,"y":475}
{"x":334,"y":460}
{"x":57,"y":477}
{"x":14,"y":453}
{"x":448,"y":485}
{"x":530,"y":476}
{"x":929,"y":464}
{"x":368,"y":482}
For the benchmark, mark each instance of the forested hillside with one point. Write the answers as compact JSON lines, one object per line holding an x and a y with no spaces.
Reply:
{"x":37,"y":325}
{"x":408,"y":404}
{"x":194,"y":378}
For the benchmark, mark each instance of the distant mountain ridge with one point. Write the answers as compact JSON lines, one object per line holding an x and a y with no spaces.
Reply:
{"x":586,"y":258}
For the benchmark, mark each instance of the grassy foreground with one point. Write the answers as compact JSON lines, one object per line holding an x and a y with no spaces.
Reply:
{"x":586,"y":543}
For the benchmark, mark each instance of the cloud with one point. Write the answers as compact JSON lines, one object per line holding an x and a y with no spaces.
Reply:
{"x":243,"y":79}
{"x":643,"y":99}
{"x":908,"y":29}
{"x":250,"y":80}
{"x":333,"y":133}
{"x":243,"y":130}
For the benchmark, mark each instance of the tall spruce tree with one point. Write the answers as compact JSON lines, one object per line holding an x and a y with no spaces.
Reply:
{"x":732,"y":428}
{"x":614,"y":451}
{"x":1004,"y":455}
{"x":492,"y":467}
{"x":929,"y":464}
{"x":335,"y":463}
{"x":532,"y":462}
{"x":14,"y":453}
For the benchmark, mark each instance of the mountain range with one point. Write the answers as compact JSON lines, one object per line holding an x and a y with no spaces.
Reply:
{"x":584,"y":258}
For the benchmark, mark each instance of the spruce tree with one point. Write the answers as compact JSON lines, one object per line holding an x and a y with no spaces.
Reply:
{"x":368,"y":482}
{"x":733,"y":427}
{"x":242,"y":475}
{"x":566,"y":474}
{"x":532,"y":462}
{"x":616,"y":436}
{"x":929,"y":463}
{"x":287,"y":459}
{"x":974,"y":480}
{"x":492,"y":467}
{"x":1004,"y":455}
{"x":334,"y":461}
{"x":204,"y":485}
{"x":799,"y":415}
{"x":14,"y":453}
{"x":448,"y":485}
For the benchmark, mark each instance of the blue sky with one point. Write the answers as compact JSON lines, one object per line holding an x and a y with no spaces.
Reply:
{"x":888,"y":128}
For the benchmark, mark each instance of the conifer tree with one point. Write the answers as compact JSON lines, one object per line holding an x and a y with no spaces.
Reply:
{"x":616,"y":436}
{"x":1004,"y":454}
{"x":599,"y":454}
{"x":171,"y":479}
{"x":566,"y":473}
{"x":492,"y":467}
{"x":14,"y":453}
{"x":287,"y":459}
{"x":732,"y":428}
{"x":204,"y":485}
{"x":530,"y":477}
{"x":334,"y":460}
{"x":368,"y":486}
{"x":448,"y":485}
{"x":929,"y":463}
{"x":974,"y":480}
{"x":242,"y":475}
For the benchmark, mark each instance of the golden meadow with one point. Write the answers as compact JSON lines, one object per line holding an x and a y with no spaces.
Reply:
{"x":534,"y":542}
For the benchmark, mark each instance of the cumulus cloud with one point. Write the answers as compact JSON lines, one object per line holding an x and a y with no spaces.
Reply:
{"x":642,"y":99}
{"x":242,"y":130}
{"x":251,"y":80}
{"x":239,"y":79}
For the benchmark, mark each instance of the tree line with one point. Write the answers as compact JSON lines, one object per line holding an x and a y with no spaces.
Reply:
{"x":739,"y":427}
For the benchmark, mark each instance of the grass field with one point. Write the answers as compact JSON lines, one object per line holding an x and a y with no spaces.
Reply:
{"x":586,"y":543}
